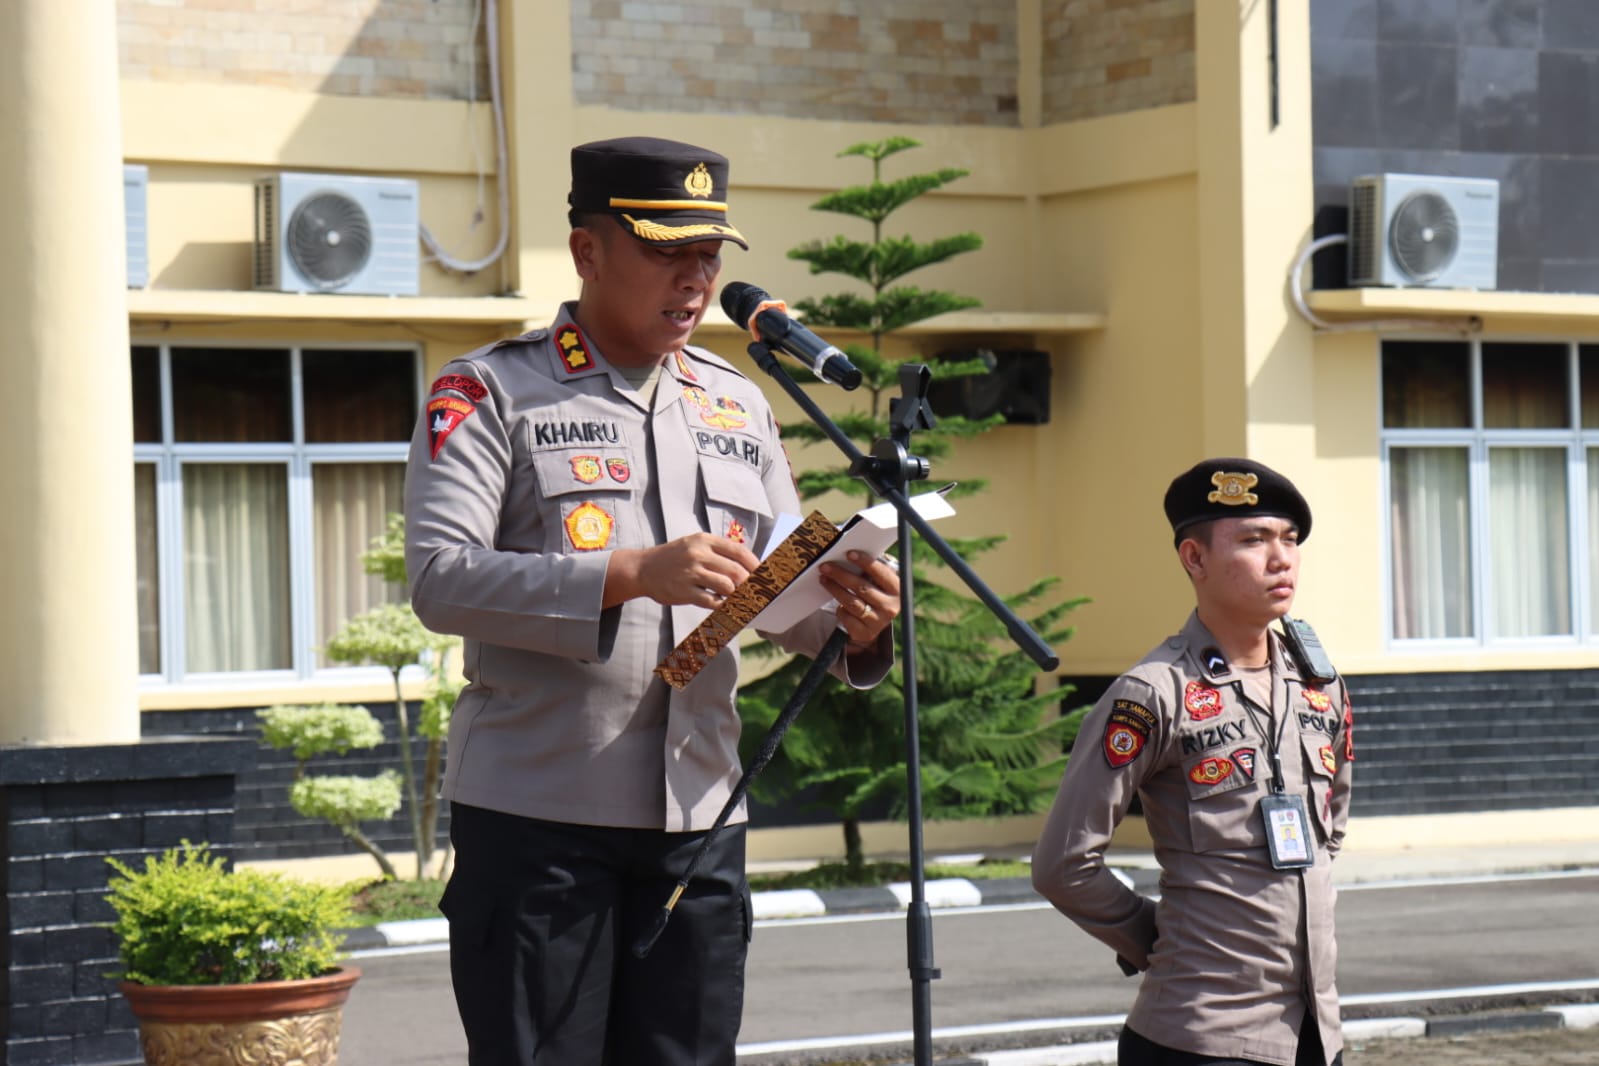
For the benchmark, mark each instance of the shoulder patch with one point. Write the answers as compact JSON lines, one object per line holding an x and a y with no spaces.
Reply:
{"x":1126,"y":732}
{"x":445,"y":415}
{"x":471,"y":388}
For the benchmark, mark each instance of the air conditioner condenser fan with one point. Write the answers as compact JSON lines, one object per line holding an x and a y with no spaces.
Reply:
{"x":1424,"y":235}
{"x":329,"y":239}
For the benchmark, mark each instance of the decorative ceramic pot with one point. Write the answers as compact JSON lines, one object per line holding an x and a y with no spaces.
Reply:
{"x":272,"y":1023}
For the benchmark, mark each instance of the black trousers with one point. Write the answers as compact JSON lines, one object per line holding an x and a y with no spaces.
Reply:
{"x":543,"y":919}
{"x":1134,"y":1050}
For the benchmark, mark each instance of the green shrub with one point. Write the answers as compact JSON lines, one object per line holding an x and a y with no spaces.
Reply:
{"x":185,"y":919}
{"x":319,"y":729}
{"x":345,"y":800}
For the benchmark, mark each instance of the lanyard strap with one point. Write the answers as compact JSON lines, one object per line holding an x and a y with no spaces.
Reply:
{"x":1273,"y":743}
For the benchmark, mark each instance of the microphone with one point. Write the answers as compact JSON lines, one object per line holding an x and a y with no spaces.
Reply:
{"x":740,"y":299}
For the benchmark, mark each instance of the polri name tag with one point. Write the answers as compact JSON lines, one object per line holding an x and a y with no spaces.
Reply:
{"x":1287,"y":826}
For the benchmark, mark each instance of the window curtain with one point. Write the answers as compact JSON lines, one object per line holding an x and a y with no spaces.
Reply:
{"x":146,"y":571}
{"x":351,"y":505}
{"x":1529,"y":557}
{"x":1429,"y":519}
{"x":236,"y":566}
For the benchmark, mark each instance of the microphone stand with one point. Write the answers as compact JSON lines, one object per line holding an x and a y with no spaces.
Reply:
{"x":888,"y":470}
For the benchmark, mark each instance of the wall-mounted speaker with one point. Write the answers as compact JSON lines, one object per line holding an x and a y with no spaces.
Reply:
{"x":1016,"y":386}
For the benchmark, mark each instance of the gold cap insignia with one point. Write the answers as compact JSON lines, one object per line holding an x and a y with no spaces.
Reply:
{"x":1233,"y":489}
{"x":699,"y":183}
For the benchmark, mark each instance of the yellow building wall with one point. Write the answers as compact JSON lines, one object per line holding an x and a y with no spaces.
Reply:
{"x":1175,"y":224}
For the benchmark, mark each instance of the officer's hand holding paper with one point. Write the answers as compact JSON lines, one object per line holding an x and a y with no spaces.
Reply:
{"x":871,"y":531}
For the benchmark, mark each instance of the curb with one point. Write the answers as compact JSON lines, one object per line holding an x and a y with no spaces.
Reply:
{"x":1577,"y":1016}
{"x":942,"y":894}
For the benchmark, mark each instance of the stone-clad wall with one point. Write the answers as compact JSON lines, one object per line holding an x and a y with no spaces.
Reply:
{"x":1103,"y":57}
{"x":916,"y":61}
{"x":394,"y":48}
{"x":920,"y":62}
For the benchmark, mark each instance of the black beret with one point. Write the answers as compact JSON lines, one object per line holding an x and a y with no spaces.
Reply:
{"x":663,"y":192}
{"x":1233,"y":488}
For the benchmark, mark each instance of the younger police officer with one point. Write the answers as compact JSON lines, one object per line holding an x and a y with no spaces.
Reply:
{"x":577,"y":501}
{"x":1241,"y":760}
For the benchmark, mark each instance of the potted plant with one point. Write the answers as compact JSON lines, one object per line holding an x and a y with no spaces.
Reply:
{"x":225,"y":967}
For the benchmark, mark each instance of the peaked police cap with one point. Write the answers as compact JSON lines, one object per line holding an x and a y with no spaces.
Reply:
{"x":663,"y":192}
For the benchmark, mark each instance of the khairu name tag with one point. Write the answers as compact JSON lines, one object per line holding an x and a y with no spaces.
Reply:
{"x":1287,"y":825}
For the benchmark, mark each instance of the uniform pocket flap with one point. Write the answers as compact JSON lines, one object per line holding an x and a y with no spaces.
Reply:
{"x":734,"y":485}
{"x":583,"y":470}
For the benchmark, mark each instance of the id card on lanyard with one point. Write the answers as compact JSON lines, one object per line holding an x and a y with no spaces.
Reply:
{"x":1287,"y":826}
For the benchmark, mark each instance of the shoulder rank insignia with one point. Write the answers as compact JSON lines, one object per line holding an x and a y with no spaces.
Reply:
{"x":1202,"y":701}
{"x":1233,"y":489}
{"x":590,"y":527}
{"x":574,"y":354}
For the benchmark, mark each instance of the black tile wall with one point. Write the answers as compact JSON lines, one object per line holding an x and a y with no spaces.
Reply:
{"x":266,"y":827}
{"x":1447,"y":743}
{"x":1502,"y":23}
{"x":1504,"y":89}
{"x":63,"y":811}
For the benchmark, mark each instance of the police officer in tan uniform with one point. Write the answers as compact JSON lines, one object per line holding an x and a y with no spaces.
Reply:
{"x":1242,"y":760}
{"x":577,"y":501}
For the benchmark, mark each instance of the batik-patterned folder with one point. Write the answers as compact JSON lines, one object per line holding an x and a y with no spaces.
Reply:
{"x":786,"y":562}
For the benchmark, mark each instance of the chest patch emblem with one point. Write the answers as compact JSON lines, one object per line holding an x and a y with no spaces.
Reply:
{"x":590,"y":527}
{"x":1244,"y":759}
{"x":586,"y":468}
{"x":1318,"y":700}
{"x":1126,"y":732}
{"x":618,"y":469}
{"x":1212,"y":771}
{"x":735,"y":531}
{"x":574,"y":354}
{"x":724,"y":412}
{"x":1202,"y":701}
{"x":1329,"y":760}
{"x":445,"y":415}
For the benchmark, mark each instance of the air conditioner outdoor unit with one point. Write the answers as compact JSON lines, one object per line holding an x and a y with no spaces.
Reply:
{"x":335,"y":233}
{"x":1419,"y":230}
{"x":135,"y":185}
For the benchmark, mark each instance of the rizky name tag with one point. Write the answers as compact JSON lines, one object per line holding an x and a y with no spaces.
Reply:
{"x":1287,"y":825}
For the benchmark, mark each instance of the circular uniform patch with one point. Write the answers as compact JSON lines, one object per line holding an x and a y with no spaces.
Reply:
{"x":590,"y":527}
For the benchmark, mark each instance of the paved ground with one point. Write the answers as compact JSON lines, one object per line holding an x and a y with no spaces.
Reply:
{"x":1556,"y":1047}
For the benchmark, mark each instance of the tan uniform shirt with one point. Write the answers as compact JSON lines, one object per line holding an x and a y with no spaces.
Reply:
{"x":532,"y":461}
{"x":1235,"y":950}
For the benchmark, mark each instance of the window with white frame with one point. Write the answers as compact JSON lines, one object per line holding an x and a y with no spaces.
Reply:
{"x":260,"y":476}
{"x":1491,"y":463}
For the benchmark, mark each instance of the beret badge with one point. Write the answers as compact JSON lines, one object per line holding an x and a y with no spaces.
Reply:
{"x":1232,"y":490}
{"x":698,"y":183}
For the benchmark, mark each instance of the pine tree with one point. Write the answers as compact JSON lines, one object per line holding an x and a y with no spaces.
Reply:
{"x":990,"y":745}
